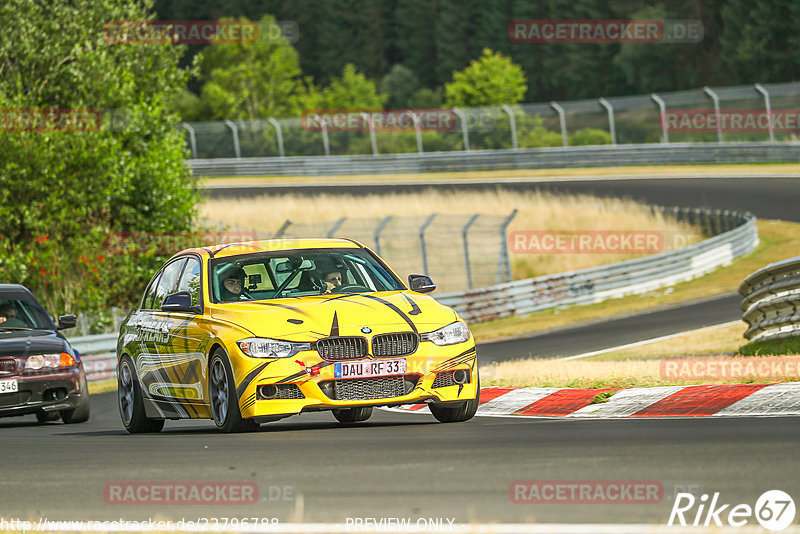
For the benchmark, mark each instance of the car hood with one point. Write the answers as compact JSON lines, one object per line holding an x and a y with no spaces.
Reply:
{"x":313,"y":317}
{"x":25,"y":342}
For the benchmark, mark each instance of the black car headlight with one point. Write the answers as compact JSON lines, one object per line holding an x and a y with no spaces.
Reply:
{"x":457,"y":332}
{"x":264,"y":347}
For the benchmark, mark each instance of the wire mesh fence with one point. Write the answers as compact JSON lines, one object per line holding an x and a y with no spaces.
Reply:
{"x":458,"y":251}
{"x":614,"y":120}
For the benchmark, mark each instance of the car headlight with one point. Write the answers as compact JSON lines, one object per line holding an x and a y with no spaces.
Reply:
{"x":448,"y":335}
{"x":49,"y":361}
{"x":264,"y":347}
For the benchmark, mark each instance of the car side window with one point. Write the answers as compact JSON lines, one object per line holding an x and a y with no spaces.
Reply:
{"x":167,"y":282}
{"x":147,"y":302}
{"x":190,"y":280}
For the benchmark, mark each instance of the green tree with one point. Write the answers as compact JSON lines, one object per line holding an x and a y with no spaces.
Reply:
{"x":399,"y":85}
{"x":64,"y":189}
{"x":351,"y":91}
{"x":254,"y":80}
{"x":491,"y":80}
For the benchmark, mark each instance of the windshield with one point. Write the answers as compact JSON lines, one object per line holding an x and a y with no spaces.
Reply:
{"x":22,"y":312}
{"x":298,"y":273}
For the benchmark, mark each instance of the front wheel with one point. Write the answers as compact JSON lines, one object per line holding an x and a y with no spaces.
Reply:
{"x":353,"y":415}
{"x":131,"y":403}
{"x":224,"y":402}
{"x":465,"y":412}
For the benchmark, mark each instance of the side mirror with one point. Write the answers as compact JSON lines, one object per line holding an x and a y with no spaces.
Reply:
{"x":179,"y":302}
{"x":420,"y":283}
{"x":67,"y":321}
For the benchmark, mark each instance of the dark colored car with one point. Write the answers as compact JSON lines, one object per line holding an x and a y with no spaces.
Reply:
{"x":40,"y":373}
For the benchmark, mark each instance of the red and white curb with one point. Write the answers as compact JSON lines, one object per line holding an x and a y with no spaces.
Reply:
{"x":666,"y":401}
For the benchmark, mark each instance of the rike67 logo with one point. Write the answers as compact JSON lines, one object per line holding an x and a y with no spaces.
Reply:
{"x":774,"y":510}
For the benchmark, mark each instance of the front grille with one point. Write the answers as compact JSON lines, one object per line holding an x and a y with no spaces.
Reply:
{"x":14,"y":399}
{"x":289,"y":391}
{"x":369,"y":388}
{"x":336,"y":349}
{"x":443,"y":380}
{"x":8,"y":366}
{"x":388,"y":345}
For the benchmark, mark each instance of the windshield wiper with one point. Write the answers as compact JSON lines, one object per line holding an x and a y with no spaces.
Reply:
{"x":16,"y":328}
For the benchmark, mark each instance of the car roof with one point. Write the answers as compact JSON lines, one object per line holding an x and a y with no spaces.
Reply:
{"x":272,"y":245}
{"x":14,"y":289}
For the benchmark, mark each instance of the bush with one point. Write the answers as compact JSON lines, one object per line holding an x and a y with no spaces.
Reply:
{"x":63,"y":191}
{"x":590,"y":136}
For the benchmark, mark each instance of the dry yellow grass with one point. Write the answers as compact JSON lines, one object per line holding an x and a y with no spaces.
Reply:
{"x":640,"y":373}
{"x":538,"y":211}
{"x":712,"y":340}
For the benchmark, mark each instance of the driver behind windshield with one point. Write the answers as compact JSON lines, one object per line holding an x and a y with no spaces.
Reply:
{"x":332,"y":279}
{"x":233,"y":286}
{"x":8,"y":316}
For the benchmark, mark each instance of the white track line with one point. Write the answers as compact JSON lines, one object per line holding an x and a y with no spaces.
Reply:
{"x":647,"y":341}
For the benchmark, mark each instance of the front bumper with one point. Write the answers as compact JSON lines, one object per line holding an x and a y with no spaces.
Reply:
{"x":306,"y":383}
{"x":48,"y":392}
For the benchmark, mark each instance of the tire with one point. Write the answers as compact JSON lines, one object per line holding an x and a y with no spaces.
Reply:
{"x":47,"y":417}
{"x":353,"y":415}
{"x":458,"y":414}
{"x":223,"y":400}
{"x":81,"y":413}
{"x":131,"y":402}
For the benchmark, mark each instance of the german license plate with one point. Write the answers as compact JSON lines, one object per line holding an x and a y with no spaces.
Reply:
{"x":369,"y":368}
{"x":8,"y":386}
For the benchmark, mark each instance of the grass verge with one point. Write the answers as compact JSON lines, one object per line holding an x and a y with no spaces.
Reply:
{"x":776,"y":347}
{"x":745,"y":168}
{"x":779,"y":240}
{"x":102,"y":386}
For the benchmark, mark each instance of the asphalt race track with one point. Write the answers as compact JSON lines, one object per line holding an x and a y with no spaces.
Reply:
{"x":394,"y":465}
{"x":597,"y":335}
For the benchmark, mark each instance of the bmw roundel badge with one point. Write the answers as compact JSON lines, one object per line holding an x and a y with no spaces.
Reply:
{"x":366,"y":330}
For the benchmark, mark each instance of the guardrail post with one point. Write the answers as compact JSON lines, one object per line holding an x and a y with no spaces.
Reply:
{"x":372,"y":139}
{"x":338,"y":224}
{"x":503,"y":262}
{"x":279,"y":133}
{"x":714,"y":98}
{"x":768,"y":107}
{"x":562,"y":120}
{"x":377,"y":234}
{"x":464,"y":129}
{"x":512,"y":123}
{"x":422,"y":229}
{"x":232,"y":126}
{"x":662,"y":106}
{"x":192,"y":139}
{"x":283,"y":228}
{"x":612,"y":129}
{"x":466,"y":248}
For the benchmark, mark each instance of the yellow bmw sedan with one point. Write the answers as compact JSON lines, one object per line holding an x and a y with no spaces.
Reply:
{"x":248,"y":333}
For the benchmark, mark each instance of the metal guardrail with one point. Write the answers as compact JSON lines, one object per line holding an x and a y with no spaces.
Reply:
{"x":737,"y":235}
{"x":479,"y":160}
{"x":771,"y":301}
